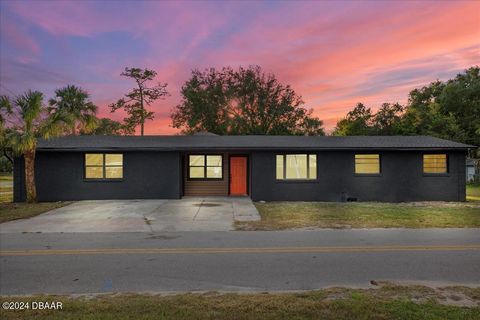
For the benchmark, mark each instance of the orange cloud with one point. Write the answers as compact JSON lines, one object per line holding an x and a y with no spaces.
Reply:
{"x":334,"y":54}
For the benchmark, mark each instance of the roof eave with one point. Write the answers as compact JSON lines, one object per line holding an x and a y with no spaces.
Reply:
{"x":182,"y":149}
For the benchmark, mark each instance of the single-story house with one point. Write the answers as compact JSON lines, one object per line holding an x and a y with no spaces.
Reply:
{"x":270,"y":168}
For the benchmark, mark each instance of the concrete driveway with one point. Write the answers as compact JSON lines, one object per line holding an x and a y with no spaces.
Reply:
{"x":187,"y":214}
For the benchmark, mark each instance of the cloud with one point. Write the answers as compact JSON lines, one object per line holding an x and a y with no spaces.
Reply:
{"x":334,"y":54}
{"x":22,"y":44}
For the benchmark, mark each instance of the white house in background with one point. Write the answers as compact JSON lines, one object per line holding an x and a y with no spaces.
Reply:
{"x":470,"y":170}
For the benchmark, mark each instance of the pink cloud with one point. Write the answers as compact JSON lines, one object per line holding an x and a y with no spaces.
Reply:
{"x":334,"y":54}
{"x":399,"y":39}
{"x":28,"y":49}
{"x":78,"y":18}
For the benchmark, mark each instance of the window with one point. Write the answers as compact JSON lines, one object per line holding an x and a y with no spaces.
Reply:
{"x":434,"y":163}
{"x":205,"y":167}
{"x":103,"y":166}
{"x":367,"y":164}
{"x":296,"y":167}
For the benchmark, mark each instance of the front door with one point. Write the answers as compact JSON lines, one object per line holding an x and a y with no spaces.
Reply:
{"x":238,"y":176}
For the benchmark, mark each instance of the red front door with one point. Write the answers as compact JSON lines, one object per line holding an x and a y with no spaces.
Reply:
{"x":238,"y":176}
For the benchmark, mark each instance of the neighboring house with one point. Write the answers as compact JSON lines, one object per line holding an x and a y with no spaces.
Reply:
{"x":470,"y":163}
{"x":270,"y":168}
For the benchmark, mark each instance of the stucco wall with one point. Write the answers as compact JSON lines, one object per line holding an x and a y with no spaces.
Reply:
{"x":401,"y":179}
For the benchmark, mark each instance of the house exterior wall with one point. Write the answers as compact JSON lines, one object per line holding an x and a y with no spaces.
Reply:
{"x":161,"y":175}
{"x":19,"y":192}
{"x":146,"y":175}
{"x":401,"y":179}
{"x":205,"y":187}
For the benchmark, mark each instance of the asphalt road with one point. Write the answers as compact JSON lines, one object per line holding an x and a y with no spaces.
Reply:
{"x":234,"y":261}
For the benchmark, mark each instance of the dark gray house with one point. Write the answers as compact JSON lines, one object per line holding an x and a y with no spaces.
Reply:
{"x":390,"y":169}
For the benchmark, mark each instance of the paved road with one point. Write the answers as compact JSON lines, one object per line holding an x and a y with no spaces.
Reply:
{"x":234,"y":261}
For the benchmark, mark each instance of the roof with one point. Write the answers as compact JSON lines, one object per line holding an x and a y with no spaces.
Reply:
{"x":212,"y":142}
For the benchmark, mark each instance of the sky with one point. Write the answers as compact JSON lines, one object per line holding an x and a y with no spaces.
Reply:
{"x":333,"y":53}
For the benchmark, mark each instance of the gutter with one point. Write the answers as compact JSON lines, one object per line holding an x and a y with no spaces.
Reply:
{"x":164,"y":149}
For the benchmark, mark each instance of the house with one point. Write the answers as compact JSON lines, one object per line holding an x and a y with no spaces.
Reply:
{"x":270,"y":168}
{"x":470,"y":170}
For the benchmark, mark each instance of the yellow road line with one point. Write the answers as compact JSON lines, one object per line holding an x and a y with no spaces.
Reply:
{"x":106,"y":251}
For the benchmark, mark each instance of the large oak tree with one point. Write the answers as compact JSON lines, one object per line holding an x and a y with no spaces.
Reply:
{"x":243,"y":101}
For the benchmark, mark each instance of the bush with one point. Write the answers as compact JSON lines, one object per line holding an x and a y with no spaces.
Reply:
{"x":5,"y":164}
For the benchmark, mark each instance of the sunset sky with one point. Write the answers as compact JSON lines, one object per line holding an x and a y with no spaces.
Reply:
{"x":334,"y":54}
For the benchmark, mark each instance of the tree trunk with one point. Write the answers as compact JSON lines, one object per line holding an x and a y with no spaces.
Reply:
{"x":29,"y":157}
{"x":143,"y":112}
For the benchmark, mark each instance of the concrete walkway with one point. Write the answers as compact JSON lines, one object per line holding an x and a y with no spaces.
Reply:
{"x":202,"y":214}
{"x":187,"y":214}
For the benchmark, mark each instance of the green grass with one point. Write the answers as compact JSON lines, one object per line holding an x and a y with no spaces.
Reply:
{"x":14,"y":211}
{"x":6,"y":187}
{"x":6,"y":197}
{"x":287,"y":215}
{"x":386,"y":302}
{"x":473,"y":192}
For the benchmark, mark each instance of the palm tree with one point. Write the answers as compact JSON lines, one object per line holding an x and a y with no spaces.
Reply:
{"x":5,"y":111}
{"x":31,"y":121}
{"x":72,"y":104}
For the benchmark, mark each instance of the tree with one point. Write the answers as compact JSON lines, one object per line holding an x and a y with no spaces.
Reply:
{"x":5,"y":164}
{"x":356,"y":123}
{"x":73,"y":105}
{"x":136,"y":100}
{"x":31,"y":120}
{"x":205,"y":104}
{"x":5,"y":111}
{"x":448,"y":110}
{"x":6,"y":161}
{"x":108,"y":126}
{"x":243,"y":101}
{"x":387,"y":121}
{"x":460,"y":98}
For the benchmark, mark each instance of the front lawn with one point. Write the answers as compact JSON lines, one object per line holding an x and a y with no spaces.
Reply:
{"x":14,"y":211}
{"x":288,"y":215}
{"x":6,"y":187}
{"x":473,"y":192}
{"x":386,"y":302}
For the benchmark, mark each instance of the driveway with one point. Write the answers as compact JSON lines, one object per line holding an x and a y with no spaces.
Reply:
{"x":187,"y":214}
